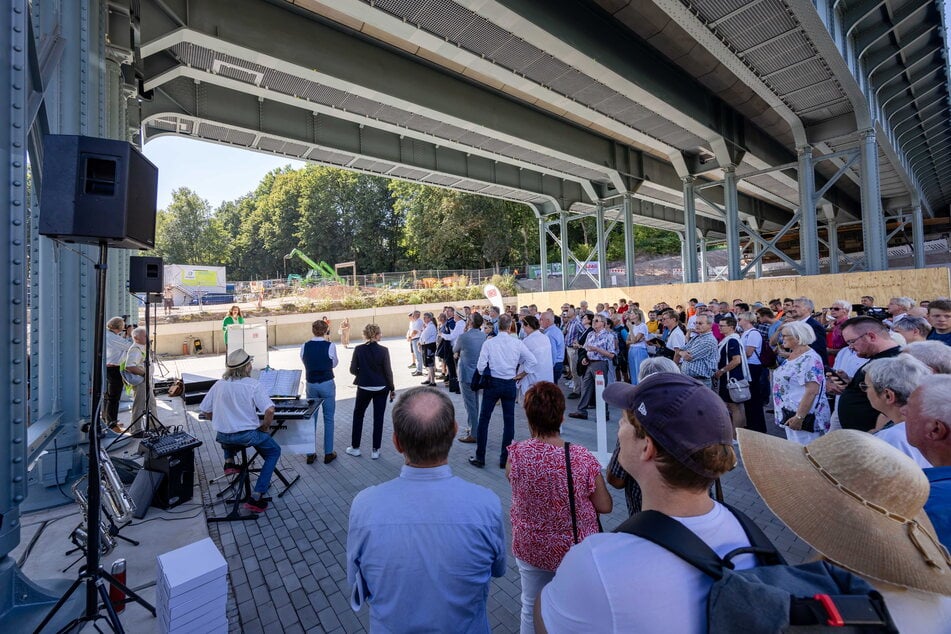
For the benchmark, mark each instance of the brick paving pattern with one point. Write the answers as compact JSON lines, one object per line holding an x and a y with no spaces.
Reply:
{"x":288,"y":569}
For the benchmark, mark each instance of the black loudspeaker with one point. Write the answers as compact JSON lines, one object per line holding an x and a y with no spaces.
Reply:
{"x":97,"y":190}
{"x":145,"y":275}
{"x":179,"y":482}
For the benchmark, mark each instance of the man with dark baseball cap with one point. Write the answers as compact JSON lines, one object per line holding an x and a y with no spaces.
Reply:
{"x":675,"y":439}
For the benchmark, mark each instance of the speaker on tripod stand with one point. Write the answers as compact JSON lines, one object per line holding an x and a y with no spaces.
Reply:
{"x":101,"y":192}
{"x":146,"y":277}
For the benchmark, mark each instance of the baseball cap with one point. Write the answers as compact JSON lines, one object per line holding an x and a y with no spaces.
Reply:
{"x":238,"y":358}
{"x":680,"y":413}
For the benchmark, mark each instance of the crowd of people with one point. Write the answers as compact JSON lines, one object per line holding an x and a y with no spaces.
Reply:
{"x":694,"y":385}
{"x":862,"y":395}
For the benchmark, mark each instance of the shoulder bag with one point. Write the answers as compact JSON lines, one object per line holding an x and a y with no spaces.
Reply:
{"x":738,"y":389}
{"x":571,"y":493}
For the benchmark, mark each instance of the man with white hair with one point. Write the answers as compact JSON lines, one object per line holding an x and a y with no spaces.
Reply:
{"x":557,"y":338}
{"x":801,"y":310}
{"x":928,"y":425}
{"x":898,"y":308}
{"x":232,"y":404}
{"x":134,"y":365}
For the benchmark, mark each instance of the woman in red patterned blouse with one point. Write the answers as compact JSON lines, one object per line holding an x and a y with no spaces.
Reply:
{"x":542,"y":527}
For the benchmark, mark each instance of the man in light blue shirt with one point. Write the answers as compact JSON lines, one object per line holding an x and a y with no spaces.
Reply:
{"x":557,"y":338}
{"x":928,"y":429}
{"x":422,"y":549}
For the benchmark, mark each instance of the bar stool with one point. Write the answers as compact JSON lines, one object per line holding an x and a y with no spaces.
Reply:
{"x":240,"y":484}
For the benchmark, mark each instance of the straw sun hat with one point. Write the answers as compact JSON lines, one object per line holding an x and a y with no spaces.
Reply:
{"x":856,"y":500}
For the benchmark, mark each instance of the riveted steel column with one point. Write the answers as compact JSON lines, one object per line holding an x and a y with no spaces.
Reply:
{"x":602,"y":254}
{"x":14,"y":31}
{"x":873,"y":222}
{"x":543,"y":253}
{"x":703,"y":259}
{"x":628,"y":208}
{"x":832,"y":229}
{"x":918,"y":235}
{"x":732,"y":208}
{"x":690,"y":231}
{"x":684,"y":248}
{"x":808,"y":223}
{"x":563,"y":233}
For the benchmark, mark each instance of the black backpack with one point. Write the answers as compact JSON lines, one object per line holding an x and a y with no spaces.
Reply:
{"x":774,"y":596}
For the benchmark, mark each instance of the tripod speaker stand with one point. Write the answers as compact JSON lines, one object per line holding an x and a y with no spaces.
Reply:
{"x":151,"y":422}
{"x":92,"y":576}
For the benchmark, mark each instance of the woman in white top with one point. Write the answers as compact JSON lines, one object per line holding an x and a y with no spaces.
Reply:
{"x":752,"y":341}
{"x":799,"y":386}
{"x":539,"y":345}
{"x":636,"y":343}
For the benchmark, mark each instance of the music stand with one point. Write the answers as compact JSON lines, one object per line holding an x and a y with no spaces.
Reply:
{"x":92,"y":575}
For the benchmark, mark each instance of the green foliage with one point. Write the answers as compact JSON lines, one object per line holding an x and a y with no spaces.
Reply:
{"x":185,"y":233}
{"x":384,"y":225}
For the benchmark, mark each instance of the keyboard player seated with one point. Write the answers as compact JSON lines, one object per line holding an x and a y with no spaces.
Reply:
{"x":232,"y":404}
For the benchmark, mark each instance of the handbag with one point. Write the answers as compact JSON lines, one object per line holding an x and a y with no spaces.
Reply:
{"x":808,"y":421}
{"x":739,"y":390}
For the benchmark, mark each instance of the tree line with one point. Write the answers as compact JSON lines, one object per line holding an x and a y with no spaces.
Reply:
{"x":384,"y":225}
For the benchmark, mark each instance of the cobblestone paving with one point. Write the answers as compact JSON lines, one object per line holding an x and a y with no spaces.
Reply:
{"x":288,"y":569}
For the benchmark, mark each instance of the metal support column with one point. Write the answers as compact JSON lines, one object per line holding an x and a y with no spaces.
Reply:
{"x":918,"y":234}
{"x":732,"y":209}
{"x":543,"y":253}
{"x":690,"y":231}
{"x":628,"y":208}
{"x":832,"y":229}
{"x":808,"y":222}
{"x":602,"y":254}
{"x":873,"y":221}
{"x":703,"y":259}
{"x":563,"y":233}
{"x":14,"y":31}
{"x":684,"y":248}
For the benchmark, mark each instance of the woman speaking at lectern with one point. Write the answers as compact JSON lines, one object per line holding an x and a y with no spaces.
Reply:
{"x":234,"y":317}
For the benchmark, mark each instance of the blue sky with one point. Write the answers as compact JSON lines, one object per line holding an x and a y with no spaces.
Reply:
{"x":215,"y":172}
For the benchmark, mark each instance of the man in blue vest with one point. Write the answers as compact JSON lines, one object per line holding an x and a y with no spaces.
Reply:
{"x":320,"y":358}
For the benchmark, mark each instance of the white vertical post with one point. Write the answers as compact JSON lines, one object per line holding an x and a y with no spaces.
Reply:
{"x":601,"y":421}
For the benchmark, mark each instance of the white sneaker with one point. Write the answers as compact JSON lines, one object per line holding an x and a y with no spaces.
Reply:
{"x":375,"y":454}
{"x":353,"y":452}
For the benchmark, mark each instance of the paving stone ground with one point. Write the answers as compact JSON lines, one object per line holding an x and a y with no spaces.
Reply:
{"x":288,"y":569}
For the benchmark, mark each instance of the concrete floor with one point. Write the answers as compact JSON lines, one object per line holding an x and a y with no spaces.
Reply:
{"x":286,"y":570}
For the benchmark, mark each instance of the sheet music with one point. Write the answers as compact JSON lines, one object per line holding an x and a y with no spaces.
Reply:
{"x":281,"y":383}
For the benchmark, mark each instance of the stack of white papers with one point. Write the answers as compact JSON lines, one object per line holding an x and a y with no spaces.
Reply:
{"x":192,"y":590}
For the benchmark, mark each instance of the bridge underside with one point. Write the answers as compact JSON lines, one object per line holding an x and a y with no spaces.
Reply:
{"x":788,"y":129}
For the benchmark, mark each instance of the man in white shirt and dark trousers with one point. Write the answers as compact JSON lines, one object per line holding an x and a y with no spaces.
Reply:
{"x":232,"y":404}
{"x":508,"y":361}
{"x":618,"y":582}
